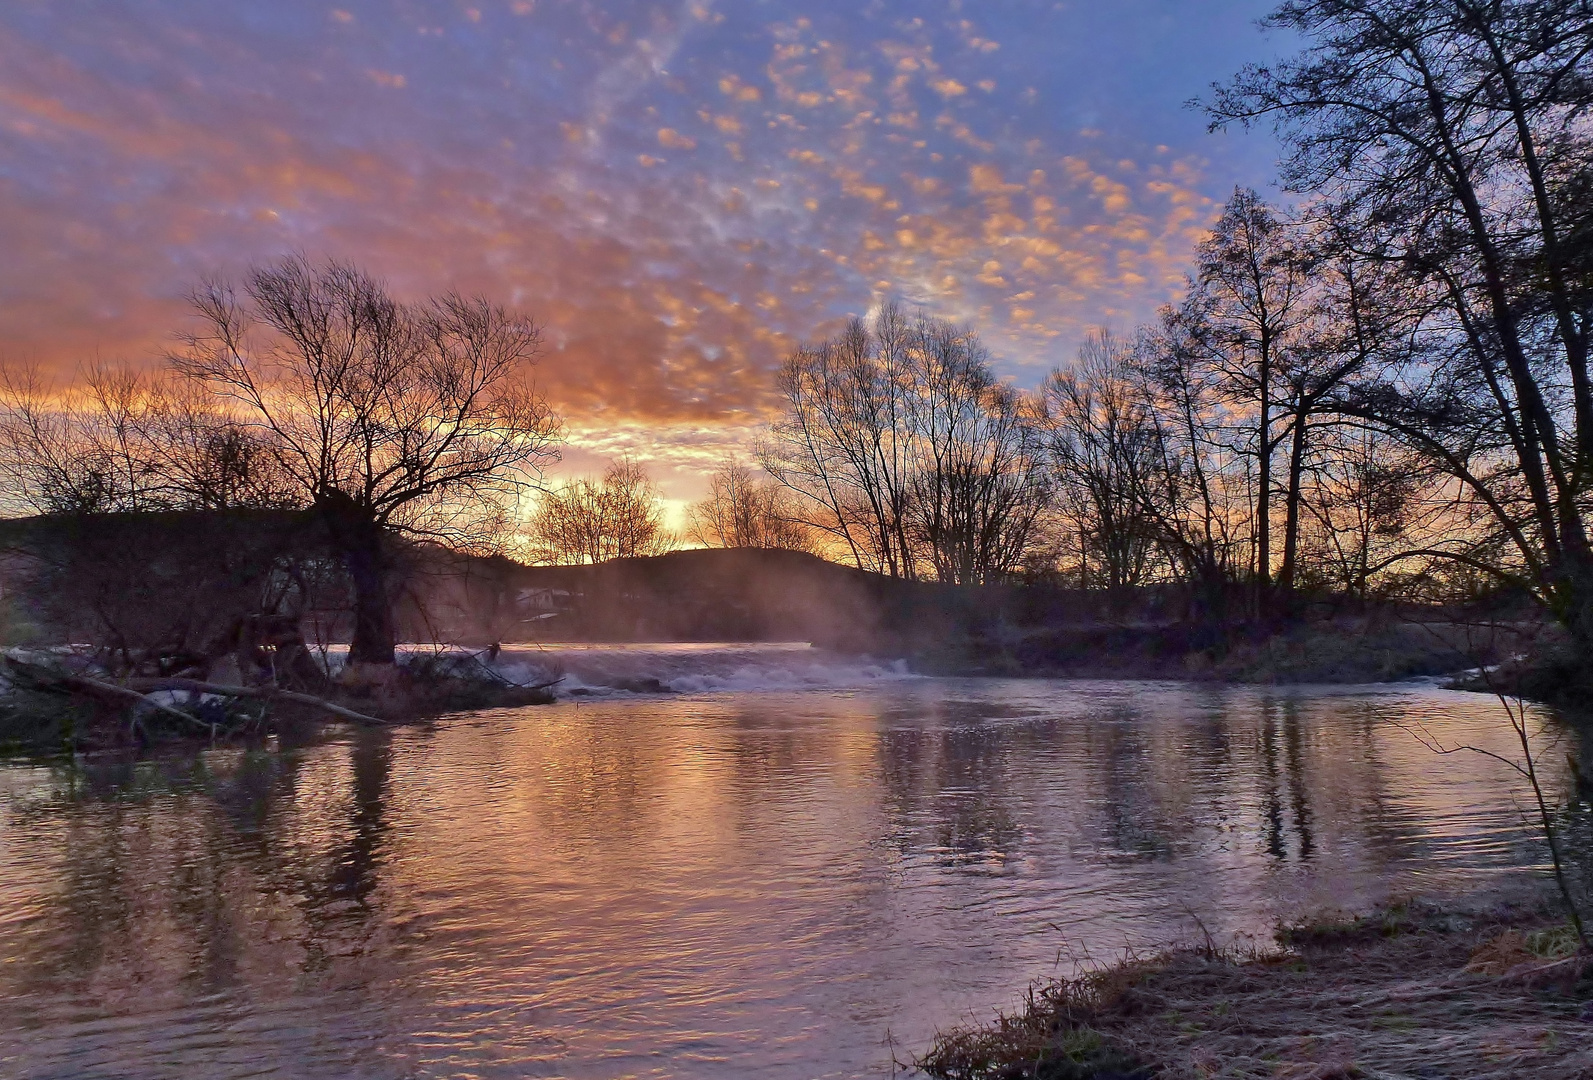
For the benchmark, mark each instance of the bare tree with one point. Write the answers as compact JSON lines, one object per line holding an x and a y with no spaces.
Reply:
{"x":585,"y":521}
{"x":121,"y":440}
{"x":1203,"y":502}
{"x":1101,"y":439}
{"x":1366,"y":498}
{"x":978,"y":483}
{"x":843,"y":442}
{"x":907,"y":450}
{"x":385,"y":418}
{"x":1246,"y":304}
{"x":58,"y":456}
{"x":1451,"y":136}
{"x":202,"y":458}
{"x":743,"y":509}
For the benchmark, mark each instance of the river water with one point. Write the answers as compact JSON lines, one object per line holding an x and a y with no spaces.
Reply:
{"x":798,"y":867}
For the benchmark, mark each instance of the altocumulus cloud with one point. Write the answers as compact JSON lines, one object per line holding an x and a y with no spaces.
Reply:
{"x":679,"y":191}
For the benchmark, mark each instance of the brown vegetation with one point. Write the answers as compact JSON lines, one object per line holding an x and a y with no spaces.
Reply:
{"x":1494,"y":989}
{"x":743,"y":509}
{"x":907,"y":452}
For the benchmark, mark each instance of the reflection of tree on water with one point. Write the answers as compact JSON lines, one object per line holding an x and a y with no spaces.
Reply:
{"x":1284,"y":714}
{"x":190,"y":876}
{"x":949,"y":790}
{"x":338,"y":899}
{"x":1137,"y":792}
{"x":1384,"y":835}
{"x":145,"y":865}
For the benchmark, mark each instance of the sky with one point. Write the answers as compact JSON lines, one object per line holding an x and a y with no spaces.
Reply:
{"x":679,"y":191}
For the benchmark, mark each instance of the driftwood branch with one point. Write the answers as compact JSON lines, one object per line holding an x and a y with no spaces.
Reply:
{"x":122,"y":693}
{"x":44,"y":677}
{"x":267,"y":692}
{"x":137,"y":691}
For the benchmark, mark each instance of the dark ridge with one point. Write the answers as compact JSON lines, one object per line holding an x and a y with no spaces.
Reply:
{"x":175,"y":583}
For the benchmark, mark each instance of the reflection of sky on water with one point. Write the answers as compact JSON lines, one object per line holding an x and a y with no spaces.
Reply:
{"x":700,"y":886}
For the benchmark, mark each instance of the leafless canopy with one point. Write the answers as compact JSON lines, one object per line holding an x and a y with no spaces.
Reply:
{"x":908,"y":452}
{"x":746,"y":509}
{"x":414,"y":413}
{"x":385,"y":417}
{"x":1449,"y":140}
{"x":585,"y":521}
{"x":118,"y":439}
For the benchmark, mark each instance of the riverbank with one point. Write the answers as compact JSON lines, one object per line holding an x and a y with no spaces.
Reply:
{"x":1344,"y":650}
{"x":1488,"y":987}
{"x":60,"y":702}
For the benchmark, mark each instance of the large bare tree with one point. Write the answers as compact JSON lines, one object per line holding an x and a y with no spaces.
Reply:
{"x":1102,"y":443}
{"x":908,"y":451}
{"x":978,"y":482}
{"x":1246,"y":304}
{"x":843,"y":443}
{"x":385,"y":418}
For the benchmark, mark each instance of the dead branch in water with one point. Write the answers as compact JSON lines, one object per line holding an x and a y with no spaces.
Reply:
{"x":137,"y":691}
{"x":268,"y":693}
{"x":43,"y":678}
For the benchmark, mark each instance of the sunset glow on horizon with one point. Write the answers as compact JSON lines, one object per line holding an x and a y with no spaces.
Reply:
{"x":679,"y":192}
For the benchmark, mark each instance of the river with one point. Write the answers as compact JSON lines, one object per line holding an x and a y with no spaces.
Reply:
{"x":798,"y":867}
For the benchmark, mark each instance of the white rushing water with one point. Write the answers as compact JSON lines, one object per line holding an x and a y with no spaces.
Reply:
{"x":691,"y":668}
{"x":786,"y":865}
{"x":580,"y":670}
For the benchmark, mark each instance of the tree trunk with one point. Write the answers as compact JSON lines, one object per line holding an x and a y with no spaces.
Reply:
{"x":1571,"y":601}
{"x":361,"y":541}
{"x":1264,"y":494}
{"x":1291,"y":520}
{"x":374,"y":638}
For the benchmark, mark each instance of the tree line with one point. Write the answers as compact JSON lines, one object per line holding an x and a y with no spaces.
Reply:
{"x":1382,"y":386}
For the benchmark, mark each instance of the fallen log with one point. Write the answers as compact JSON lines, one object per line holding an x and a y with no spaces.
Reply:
{"x":196,"y":686}
{"x":44,"y":677}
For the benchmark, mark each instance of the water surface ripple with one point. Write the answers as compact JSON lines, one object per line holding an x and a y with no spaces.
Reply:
{"x":725,"y":884}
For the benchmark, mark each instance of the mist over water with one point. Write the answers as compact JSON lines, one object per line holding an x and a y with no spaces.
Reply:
{"x":723,"y":883}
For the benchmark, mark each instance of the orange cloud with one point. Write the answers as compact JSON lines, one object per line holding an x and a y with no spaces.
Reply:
{"x":670,"y":283}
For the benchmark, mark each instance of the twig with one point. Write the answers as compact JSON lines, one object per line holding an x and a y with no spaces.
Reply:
{"x":1211,"y":946}
{"x":1518,"y":722}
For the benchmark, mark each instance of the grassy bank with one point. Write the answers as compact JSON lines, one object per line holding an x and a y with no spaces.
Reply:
{"x":1489,"y":988}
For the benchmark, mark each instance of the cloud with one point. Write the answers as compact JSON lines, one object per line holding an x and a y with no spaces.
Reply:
{"x":680,"y":192}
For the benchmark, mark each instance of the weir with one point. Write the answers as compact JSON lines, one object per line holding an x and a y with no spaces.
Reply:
{"x":588,"y":669}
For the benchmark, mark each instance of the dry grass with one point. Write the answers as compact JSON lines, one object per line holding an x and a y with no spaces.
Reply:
{"x":1412,"y":993}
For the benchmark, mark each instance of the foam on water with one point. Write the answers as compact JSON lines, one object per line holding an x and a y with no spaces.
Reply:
{"x":691,"y":668}
{"x":587,"y":669}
